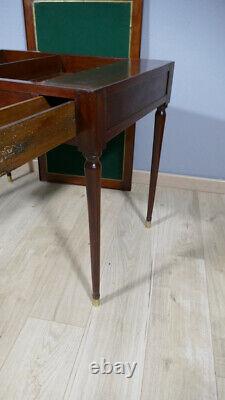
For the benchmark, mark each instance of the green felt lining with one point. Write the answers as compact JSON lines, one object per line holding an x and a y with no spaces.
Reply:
{"x":92,"y":28}
{"x":67,"y":160}
{"x":85,"y":28}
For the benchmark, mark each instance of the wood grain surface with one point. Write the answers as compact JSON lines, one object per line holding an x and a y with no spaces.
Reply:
{"x":26,"y":138}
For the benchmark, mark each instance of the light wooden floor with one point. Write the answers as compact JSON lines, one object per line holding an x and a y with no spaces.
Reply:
{"x":163,"y":294}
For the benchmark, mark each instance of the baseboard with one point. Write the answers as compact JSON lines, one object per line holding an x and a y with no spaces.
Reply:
{"x":182,"y":182}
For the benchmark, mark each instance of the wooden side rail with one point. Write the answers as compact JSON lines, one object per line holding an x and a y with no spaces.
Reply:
{"x":7,"y":56}
{"x":26,"y":138}
{"x":31,"y":69}
{"x":22,"y":110}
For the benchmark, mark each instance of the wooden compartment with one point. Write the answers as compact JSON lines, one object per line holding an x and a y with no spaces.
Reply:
{"x":7,"y":56}
{"x":35,"y":69}
{"x":39,"y":67}
{"x":30,"y":128}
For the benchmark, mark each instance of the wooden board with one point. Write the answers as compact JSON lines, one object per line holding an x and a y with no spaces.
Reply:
{"x":179,"y":360}
{"x":42,"y":351}
{"x":212,"y":208}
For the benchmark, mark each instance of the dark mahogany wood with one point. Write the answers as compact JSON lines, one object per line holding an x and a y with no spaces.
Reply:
{"x":93,"y":187}
{"x":128,"y":159}
{"x":135,"y":43}
{"x":80,"y":180}
{"x":34,"y":69}
{"x":160,"y":119}
{"x":22,"y":110}
{"x":33,"y":133}
{"x":7,"y":97}
{"x":103,"y":102}
{"x":9,"y":176}
{"x":8,"y":56}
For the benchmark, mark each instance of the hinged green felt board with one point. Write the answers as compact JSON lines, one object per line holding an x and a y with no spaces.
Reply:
{"x":98,"y":28}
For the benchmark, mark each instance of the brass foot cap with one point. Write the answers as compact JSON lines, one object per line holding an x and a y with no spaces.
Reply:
{"x":147,"y":224}
{"x":10,"y":179}
{"x":96,"y":302}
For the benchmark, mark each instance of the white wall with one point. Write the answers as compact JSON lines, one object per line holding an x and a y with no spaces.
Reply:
{"x":191,"y":32}
{"x":12,"y":32}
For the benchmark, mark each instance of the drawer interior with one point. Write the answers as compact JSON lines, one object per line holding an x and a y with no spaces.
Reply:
{"x":38,"y":67}
{"x":30,"y":128}
{"x":7,"y":56}
{"x":8,"y":97}
{"x":20,"y":110}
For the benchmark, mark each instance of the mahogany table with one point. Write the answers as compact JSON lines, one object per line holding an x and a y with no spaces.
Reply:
{"x":47,"y":100}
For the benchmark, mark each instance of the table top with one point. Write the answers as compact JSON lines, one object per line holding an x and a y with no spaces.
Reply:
{"x":108,"y":95}
{"x":69,"y":74}
{"x":106,"y":75}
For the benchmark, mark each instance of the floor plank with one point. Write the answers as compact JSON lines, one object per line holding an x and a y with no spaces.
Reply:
{"x":117,"y":330}
{"x":40,"y":362}
{"x":23,"y":273}
{"x":16,"y":211}
{"x":179,"y":357}
{"x":58,"y":300}
{"x":221,"y":388}
{"x":212,"y":208}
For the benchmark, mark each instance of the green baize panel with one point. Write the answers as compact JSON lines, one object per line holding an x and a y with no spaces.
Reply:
{"x":84,"y":28}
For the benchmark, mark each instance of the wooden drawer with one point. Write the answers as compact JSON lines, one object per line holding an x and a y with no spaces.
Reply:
{"x":31,"y":128}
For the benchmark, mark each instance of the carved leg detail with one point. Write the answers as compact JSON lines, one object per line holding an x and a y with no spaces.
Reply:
{"x":93,"y":187}
{"x":160,"y":119}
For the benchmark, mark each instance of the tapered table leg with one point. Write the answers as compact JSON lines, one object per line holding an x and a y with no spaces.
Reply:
{"x":9,"y":176}
{"x":160,"y":119}
{"x":31,"y":166}
{"x":93,"y":187}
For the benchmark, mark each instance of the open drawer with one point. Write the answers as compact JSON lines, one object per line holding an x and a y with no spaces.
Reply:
{"x":31,"y":128}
